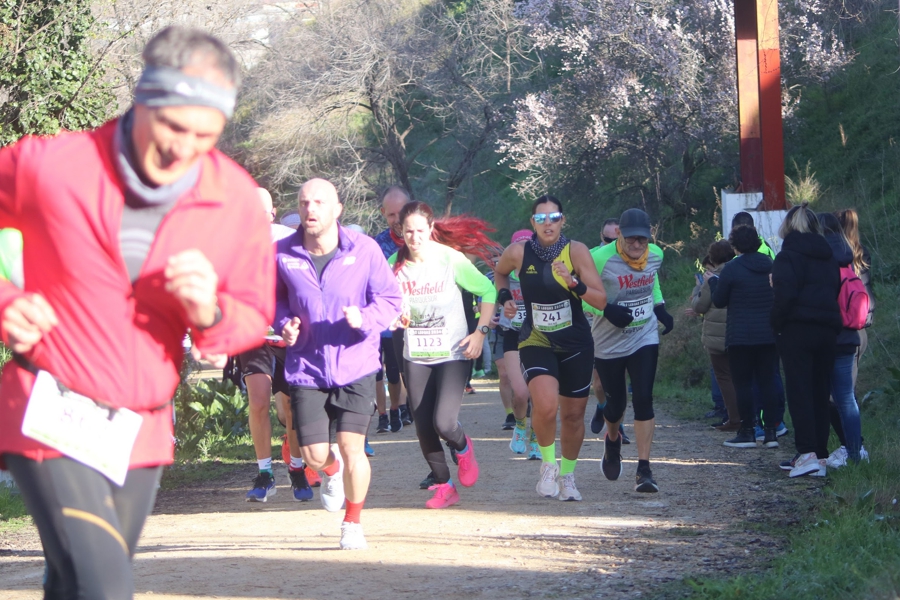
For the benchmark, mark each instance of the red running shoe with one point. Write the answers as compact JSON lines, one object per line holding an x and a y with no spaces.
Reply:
{"x":468,"y":466}
{"x":444,"y":496}
{"x":285,"y":451}
{"x":313,"y":477}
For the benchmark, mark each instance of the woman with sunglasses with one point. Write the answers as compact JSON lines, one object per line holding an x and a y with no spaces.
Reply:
{"x":555,"y":346}
{"x":626,"y":339}
{"x":432,"y":269}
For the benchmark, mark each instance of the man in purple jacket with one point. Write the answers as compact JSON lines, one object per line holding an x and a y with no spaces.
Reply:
{"x":335,"y":294}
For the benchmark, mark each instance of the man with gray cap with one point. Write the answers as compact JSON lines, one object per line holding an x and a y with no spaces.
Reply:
{"x":123,"y":253}
{"x":626,"y":339}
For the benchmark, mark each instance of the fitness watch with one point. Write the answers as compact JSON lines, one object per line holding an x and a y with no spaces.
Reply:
{"x":484,"y":329}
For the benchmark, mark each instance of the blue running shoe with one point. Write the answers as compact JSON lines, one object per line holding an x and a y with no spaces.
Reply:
{"x":781,"y":430}
{"x":370,"y":452}
{"x":263,"y":487}
{"x":300,"y":486}
{"x":760,"y":433}
{"x":519,"y":440}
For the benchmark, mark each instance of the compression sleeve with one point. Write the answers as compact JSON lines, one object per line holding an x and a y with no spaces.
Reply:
{"x":472,"y":280}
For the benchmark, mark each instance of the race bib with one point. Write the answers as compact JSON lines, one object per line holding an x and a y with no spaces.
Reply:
{"x":641,"y":310}
{"x":551,"y":317}
{"x":428,"y":342}
{"x":519,"y":319}
{"x":76,"y":426}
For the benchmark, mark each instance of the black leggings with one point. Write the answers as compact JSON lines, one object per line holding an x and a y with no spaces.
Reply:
{"x":435,"y":395}
{"x":641,"y":367}
{"x":748,"y":363}
{"x":89,"y":527}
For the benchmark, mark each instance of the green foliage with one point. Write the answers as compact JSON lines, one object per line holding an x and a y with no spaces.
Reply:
{"x":210,"y":411}
{"x":13,"y":514}
{"x":49,"y":78}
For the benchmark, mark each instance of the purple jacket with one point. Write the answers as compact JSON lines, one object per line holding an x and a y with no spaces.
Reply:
{"x":329,"y":353}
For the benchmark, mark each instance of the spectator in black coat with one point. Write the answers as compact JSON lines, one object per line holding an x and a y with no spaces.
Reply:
{"x":743,"y":287}
{"x":806,"y":320}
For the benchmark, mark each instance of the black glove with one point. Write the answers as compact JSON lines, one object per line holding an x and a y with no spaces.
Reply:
{"x":620,"y":316}
{"x":665,"y":318}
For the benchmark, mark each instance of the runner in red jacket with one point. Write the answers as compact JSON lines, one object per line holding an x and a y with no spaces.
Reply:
{"x":133,"y":233}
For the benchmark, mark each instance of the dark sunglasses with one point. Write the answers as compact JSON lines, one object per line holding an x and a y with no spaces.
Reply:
{"x":540,"y":218}
{"x":607,"y":240}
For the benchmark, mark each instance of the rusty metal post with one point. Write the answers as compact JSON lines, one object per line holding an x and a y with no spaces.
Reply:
{"x":759,"y":100}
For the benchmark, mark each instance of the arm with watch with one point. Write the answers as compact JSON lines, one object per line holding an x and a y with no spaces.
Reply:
{"x":472,"y":280}
{"x":585,"y":283}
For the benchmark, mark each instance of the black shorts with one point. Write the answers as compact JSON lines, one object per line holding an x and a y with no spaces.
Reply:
{"x":573,"y":370}
{"x":350,"y":406}
{"x":389,"y":362}
{"x":510,"y":340}
{"x":268,"y":360}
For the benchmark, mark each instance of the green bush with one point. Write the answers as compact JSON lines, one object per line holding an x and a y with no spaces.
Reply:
{"x":210,"y":412}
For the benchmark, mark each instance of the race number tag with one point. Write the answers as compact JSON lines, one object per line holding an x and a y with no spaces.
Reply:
{"x":551,"y":317}
{"x":519,"y":319}
{"x":428,"y":342}
{"x":76,"y":426}
{"x":641,"y":310}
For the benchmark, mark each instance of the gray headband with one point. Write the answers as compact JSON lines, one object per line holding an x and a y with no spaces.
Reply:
{"x":167,"y":86}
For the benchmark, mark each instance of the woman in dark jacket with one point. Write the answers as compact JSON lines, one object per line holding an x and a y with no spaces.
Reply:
{"x":848,"y":340}
{"x":743,"y":287}
{"x":806,"y":320}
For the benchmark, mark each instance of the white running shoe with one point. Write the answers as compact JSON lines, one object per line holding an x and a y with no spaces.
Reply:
{"x":332,"y":491}
{"x":352,"y":537}
{"x":808,"y":464}
{"x":837,"y":459}
{"x":548,"y":487}
{"x":519,"y":440}
{"x":567,"y":490}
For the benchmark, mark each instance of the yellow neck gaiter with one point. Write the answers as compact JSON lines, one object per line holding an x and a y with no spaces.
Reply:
{"x":637,"y":264}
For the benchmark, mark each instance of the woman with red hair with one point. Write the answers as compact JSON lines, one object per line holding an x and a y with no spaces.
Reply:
{"x":432,"y":269}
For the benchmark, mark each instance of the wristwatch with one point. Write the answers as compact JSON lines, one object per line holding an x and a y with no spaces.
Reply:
{"x":484,"y":329}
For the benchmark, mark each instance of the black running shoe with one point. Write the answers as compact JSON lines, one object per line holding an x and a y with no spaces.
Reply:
{"x":300,"y":486}
{"x":510,"y":422}
{"x":405,"y":415}
{"x":597,"y":420}
{"x":788,"y":465}
{"x":453,"y":456}
{"x":427,"y":482}
{"x":771,"y":438}
{"x":396,"y":423}
{"x":622,"y":435}
{"x":611,"y":465}
{"x":745,"y":438}
{"x":643,"y":481}
{"x":383,"y":424}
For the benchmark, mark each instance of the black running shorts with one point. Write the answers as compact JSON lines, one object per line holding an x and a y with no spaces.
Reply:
{"x":268,"y":360}
{"x":351,"y":407}
{"x":573,"y":370}
{"x":510,"y":340}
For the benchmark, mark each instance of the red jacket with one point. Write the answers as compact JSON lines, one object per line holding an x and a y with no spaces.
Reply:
{"x":117,"y":343}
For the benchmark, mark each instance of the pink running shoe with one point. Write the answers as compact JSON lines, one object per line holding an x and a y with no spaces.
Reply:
{"x":444,"y":496}
{"x":468,"y":466}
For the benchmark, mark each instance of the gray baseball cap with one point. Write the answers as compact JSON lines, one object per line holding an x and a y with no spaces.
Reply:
{"x":634,"y":223}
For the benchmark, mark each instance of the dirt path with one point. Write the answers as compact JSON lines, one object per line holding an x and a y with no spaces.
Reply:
{"x":501,"y":541}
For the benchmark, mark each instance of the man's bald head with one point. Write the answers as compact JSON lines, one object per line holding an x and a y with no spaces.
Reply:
{"x":319,"y":207}
{"x":392,"y":202}
{"x":266,"y":198}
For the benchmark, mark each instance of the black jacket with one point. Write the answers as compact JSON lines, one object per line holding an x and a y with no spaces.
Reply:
{"x":806,"y":280}
{"x":744,"y":288}
{"x":844,"y":256}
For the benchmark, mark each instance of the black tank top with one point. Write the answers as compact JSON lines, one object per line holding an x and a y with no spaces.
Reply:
{"x":554,"y":314}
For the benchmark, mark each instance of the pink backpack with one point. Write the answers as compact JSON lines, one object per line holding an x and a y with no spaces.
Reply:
{"x":853,"y":300}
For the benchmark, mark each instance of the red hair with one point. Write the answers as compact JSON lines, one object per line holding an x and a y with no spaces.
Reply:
{"x":464,"y":233}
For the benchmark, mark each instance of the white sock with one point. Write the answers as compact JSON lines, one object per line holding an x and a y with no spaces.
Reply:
{"x":296,"y":463}
{"x":265,"y":464}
